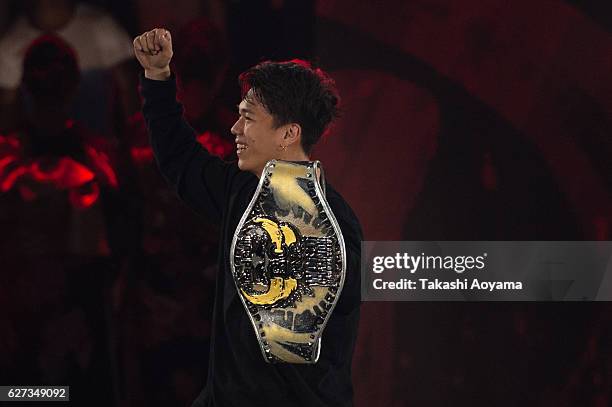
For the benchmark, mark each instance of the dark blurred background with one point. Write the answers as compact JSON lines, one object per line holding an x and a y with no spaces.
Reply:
{"x":462,"y":120}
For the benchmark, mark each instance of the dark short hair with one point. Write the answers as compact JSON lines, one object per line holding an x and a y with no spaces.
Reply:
{"x":50,"y":69}
{"x":294,"y":92}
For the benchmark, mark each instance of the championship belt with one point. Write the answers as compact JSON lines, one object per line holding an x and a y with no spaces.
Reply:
{"x":289,"y":261}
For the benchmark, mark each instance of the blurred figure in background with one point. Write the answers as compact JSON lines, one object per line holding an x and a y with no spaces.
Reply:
{"x":52,"y":156}
{"x":58,"y":197}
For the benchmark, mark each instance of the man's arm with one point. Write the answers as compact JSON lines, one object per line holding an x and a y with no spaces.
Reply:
{"x":350,"y":298}
{"x":199,"y":178}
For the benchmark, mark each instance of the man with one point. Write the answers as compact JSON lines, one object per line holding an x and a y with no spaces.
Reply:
{"x":286,"y":108}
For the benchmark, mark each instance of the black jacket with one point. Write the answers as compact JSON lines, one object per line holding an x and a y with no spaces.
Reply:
{"x":237,"y":372}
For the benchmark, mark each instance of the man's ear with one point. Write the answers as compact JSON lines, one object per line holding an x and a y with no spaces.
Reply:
{"x":293,"y":134}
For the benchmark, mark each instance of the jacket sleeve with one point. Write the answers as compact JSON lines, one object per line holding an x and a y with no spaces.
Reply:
{"x":350,"y":297}
{"x":200,"y":179}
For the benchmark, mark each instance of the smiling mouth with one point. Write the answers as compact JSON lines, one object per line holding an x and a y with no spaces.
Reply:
{"x":241,"y":148}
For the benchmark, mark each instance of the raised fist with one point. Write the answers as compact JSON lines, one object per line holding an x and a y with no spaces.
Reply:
{"x":153,"y":49}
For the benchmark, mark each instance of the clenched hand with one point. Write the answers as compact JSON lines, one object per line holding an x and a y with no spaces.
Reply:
{"x":153,"y":49}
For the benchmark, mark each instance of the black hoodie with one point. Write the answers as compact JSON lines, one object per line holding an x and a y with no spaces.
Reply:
{"x":221,"y":192}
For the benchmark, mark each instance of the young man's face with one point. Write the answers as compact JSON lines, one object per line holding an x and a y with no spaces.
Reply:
{"x":257,"y":140}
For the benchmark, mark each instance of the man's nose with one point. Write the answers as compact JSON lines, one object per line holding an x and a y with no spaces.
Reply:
{"x":237,"y":127}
